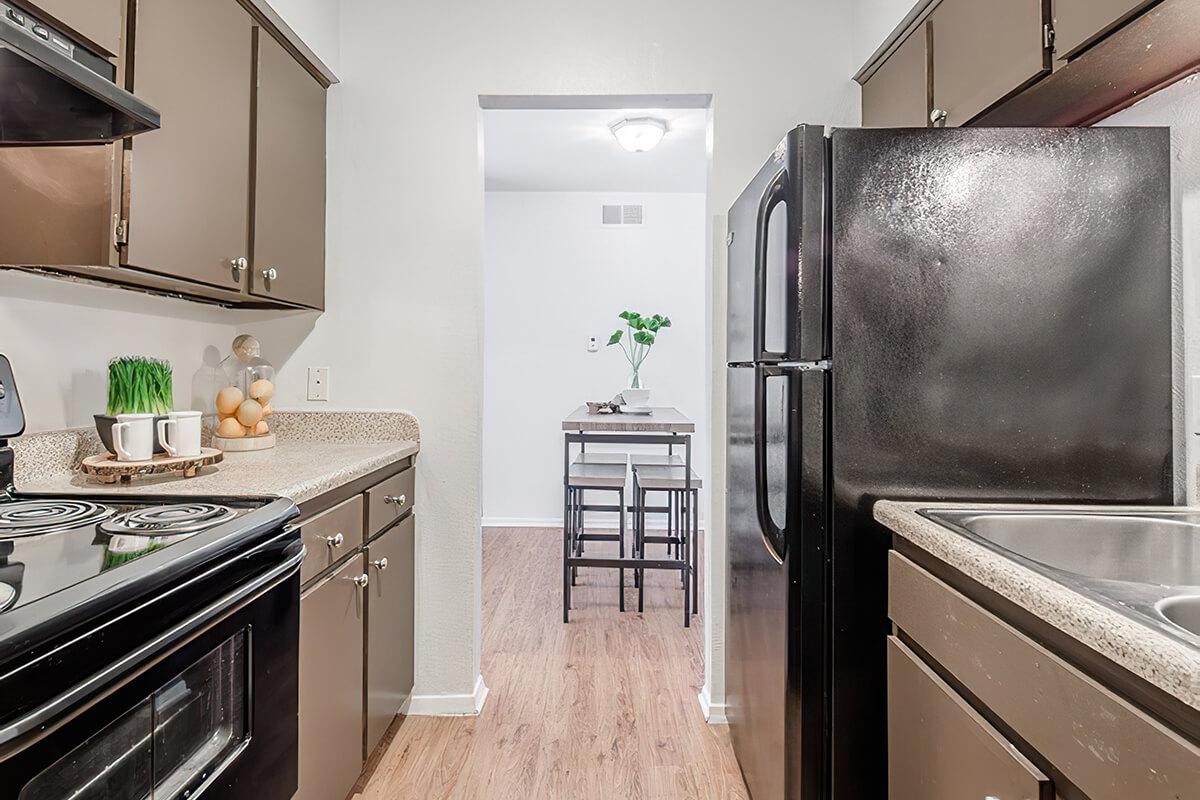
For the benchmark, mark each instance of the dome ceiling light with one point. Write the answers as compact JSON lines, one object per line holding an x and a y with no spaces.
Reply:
{"x":640,"y":134}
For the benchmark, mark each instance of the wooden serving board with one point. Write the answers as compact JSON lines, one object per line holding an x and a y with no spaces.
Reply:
{"x":107,"y":469}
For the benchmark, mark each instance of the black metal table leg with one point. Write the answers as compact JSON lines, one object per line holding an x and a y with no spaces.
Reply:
{"x":621,"y":545}
{"x":566,"y":554}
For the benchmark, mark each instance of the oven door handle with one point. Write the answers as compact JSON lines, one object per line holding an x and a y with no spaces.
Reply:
{"x":43,"y":715}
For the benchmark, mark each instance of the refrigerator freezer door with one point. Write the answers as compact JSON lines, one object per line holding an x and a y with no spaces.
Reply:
{"x":776,"y":527}
{"x":777,"y":275}
{"x":1001,"y":331}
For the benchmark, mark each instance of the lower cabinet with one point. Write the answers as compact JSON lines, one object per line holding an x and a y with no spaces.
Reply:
{"x":966,"y":689}
{"x":331,"y":668}
{"x":941,"y":748}
{"x":389,"y":679}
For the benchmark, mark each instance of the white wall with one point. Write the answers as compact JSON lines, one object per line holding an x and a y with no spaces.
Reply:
{"x":552,"y":276}
{"x":1178,"y":106}
{"x":404,"y":310}
{"x":60,"y":337}
{"x":318,"y":24}
{"x":873,"y":21}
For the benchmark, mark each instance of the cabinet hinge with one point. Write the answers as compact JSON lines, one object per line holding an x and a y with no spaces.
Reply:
{"x":121,"y":234}
{"x":1048,"y":36}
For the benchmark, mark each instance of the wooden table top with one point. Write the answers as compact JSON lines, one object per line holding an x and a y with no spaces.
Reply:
{"x":662,"y":419}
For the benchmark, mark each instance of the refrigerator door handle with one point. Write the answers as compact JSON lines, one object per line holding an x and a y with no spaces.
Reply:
{"x":774,"y":536}
{"x":775,"y":193}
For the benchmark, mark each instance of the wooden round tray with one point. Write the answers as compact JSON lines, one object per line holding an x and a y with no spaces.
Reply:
{"x":107,"y":469}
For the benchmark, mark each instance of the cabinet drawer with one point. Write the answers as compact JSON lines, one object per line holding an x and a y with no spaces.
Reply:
{"x":320,"y":535}
{"x":388,"y":501}
{"x":939,"y":748}
{"x":1099,"y":741}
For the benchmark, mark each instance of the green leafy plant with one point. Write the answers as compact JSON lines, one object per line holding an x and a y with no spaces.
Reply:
{"x":139,"y":385}
{"x":643,"y":332}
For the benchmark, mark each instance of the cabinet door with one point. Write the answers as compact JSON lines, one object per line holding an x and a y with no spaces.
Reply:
{"x":1078,"y":23}
{"x":939,"y":748}
{"x":897,"y":95}
{"x":982,"y":51}
{"x":331,"y":673}
{"x":289,"y":179}
{"x":189,"y":182}
{"x":389,"y":627}
{"x":98,"y":21}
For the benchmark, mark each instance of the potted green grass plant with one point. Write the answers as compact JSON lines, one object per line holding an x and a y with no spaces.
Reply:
{"x":636,"y":340}
{"x":136,"y":385}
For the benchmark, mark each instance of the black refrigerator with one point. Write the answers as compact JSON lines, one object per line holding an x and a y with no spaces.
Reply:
{"x":941,"y":314}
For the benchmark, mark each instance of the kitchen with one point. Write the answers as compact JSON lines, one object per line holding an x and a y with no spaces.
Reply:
{"x":404,"y":218}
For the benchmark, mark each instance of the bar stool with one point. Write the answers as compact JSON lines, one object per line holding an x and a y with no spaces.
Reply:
{"x":660,"y":460}
{"x":683,"y":495}
{"x":592,"y":472}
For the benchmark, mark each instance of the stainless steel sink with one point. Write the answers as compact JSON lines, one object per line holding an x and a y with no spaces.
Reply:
{"x":1144,"y":564}
{"x":1183,"y":610}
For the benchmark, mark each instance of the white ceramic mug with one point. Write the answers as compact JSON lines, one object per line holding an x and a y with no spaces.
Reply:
{"x":184,"y":438}
{"x":133,"y":437}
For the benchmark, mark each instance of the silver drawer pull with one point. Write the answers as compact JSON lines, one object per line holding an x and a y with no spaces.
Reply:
{"x":381,"y":564}
{"x":396,"y":500}
{"x":335,"y":541}
{"x":362,"y":580}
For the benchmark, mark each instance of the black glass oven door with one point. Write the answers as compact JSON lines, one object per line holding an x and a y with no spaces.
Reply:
{"x":168,"y":746}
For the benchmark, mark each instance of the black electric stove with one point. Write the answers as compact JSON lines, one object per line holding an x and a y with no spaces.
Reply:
{"x":148,"y":645}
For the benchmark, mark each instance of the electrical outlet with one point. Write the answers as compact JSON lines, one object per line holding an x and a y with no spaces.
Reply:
{"x":318,"y":383}
{"x":593,"y":345}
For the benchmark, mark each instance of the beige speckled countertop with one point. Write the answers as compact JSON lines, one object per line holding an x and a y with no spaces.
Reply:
{"x":316,"y":452}
{"x":1163,"y":661}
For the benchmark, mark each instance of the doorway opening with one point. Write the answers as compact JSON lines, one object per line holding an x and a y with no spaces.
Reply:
{"x":583,"y":220}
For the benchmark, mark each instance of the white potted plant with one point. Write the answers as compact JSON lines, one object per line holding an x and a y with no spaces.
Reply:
{"x":643,"y":332}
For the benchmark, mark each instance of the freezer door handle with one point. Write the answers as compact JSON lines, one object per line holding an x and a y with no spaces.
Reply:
{"x":773,"y":196}
{"x":774,"y":536}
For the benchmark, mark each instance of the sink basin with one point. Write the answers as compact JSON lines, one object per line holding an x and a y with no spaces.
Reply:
{"x":1143,"y":564}
{"x":1183,"y":611}
{"x":1160,"y":549}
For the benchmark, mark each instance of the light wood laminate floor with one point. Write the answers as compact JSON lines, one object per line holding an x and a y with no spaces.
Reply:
{"x":604,"y":707}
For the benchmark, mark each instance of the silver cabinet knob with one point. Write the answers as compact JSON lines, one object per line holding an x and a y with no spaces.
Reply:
{"x":381,"y":564}
{"x":270,"y":274}
{"x":362,"y":580}
{"x":335,"y":541}
{"x":938,"y":118}
{"x":395,"y":500}
{"x":240,"y":264}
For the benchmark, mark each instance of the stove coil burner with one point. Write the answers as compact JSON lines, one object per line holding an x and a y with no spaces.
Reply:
{"x":168,"y":520}
{"x":34,"y":517}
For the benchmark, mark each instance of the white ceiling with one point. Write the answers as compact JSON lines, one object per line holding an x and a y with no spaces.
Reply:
{"x":537,"y":150}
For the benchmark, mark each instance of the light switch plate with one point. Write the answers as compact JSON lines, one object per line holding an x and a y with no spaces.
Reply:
{"x":318,"y":383}
{"x":592,"y":345}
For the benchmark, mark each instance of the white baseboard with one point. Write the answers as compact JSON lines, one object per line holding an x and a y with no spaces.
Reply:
{"x":533,"y":522}
{"x":448,"y":705}
{"x":713,"y":712}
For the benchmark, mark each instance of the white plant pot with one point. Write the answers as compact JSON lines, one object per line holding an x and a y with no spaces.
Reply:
{"x":636,"y":397}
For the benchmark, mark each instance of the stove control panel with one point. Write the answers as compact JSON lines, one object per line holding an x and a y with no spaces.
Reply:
{"x":12,"y":418}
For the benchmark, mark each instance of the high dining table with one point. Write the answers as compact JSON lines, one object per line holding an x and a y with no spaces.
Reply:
{"x":663,"y":427}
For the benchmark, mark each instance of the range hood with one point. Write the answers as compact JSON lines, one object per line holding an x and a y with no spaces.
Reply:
{"x":54,"y":90}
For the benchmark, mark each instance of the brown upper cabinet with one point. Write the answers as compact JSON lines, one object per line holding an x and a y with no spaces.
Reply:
{"x":1078,"y":23}
{"x":231,"y":191}
{"x":897,"y":94}
{"x":188,"y":183}
{"x":288,"y":261}
{"x":98,"y":21}
{"x":983,"y":50}
{"x":1029,"y":62}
